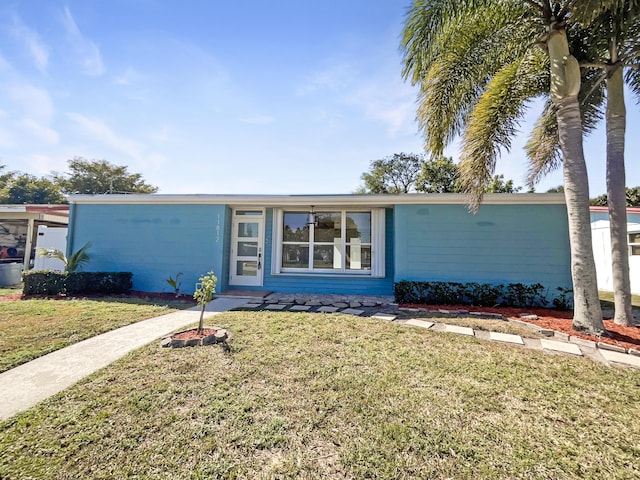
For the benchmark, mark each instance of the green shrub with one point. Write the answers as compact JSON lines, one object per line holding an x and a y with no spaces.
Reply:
{"x":482,"y":294}
{"x":46,"y":282}
{"x":43,"y":282}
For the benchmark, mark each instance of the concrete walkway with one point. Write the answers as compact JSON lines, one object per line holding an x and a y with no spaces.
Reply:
{"x":24,"y":386}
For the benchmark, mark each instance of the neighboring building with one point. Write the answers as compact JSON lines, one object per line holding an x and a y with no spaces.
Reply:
{"x":19,"y":229}
{"x":356,"y":244}
{"x":601,"y":234}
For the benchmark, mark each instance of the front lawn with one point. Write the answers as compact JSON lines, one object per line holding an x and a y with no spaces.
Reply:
{"x":318,"y":396}
{"x":32,"y":328}
{"x":606,"y":300}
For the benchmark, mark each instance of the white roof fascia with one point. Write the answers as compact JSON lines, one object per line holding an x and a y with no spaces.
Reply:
{"x":321,"y":200}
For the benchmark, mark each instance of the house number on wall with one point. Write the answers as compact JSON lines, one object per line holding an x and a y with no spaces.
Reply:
{"x":218,"y":229}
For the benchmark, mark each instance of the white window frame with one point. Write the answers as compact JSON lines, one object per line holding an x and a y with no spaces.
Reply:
{"x":377,"y":244}
{"x":633,"y":245}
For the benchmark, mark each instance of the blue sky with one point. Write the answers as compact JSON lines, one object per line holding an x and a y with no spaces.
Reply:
{"x":221,"y":97}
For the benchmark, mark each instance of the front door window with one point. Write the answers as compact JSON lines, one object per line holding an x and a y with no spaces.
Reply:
{"x":246,"y":248}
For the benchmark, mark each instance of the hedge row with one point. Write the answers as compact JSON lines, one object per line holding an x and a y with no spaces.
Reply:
{"x":48,"y":282}
{"x":482,"y":294}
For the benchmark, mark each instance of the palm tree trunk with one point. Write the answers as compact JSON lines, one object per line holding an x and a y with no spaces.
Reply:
{"x":616,"y":198}
{"x":565,"y":85}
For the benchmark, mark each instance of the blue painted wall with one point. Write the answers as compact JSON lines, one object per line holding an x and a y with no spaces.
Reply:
{"x":154,"y":242}
{"x":310,"y":283}
{"x":500,"y":244}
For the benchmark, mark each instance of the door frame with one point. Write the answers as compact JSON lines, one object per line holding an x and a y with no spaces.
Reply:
{"x":233,"y":257}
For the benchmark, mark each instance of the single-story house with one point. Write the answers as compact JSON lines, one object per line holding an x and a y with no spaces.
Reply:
{"x":601,"y":234}
{"x":351,"y":244}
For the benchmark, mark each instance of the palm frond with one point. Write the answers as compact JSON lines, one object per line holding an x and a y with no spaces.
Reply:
{"x":543,"y":147}
{"x":78,"y":259}
{"x":494,"y":121}
{"x":469,"y":51}
{"x":51,"y":253}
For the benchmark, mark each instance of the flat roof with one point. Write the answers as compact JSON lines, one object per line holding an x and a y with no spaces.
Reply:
{"x":386,"y":200}
{"x":606,"y":209}
{"x":53,"y":215}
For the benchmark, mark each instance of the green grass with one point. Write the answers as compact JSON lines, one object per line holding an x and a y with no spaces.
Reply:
{"x":333,"y":396}
{"x":10,"y":290}
{"x":32,"y":328}
{"x":606,"y":300}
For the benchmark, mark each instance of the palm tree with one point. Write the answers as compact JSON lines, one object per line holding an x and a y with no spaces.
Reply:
{"x":477,"y":64}
{"x":610,"y":44}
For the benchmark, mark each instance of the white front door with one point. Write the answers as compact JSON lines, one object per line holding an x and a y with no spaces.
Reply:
{"x":246,"y":247}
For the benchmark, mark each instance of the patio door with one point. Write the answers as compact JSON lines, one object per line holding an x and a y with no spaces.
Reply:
{"x":247,"y":241}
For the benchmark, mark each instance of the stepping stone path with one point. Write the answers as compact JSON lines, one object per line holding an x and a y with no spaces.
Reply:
{"x":560,"y":347}
{"x":611,"y":356}
{"x":383,"y":308}
{"x":300,"y":308}
{"x":328,"y":309}
{"x":414,"y":322}
{"x":506,"y":337}
{"x":275,"y":306}
{"x":459,"y":330}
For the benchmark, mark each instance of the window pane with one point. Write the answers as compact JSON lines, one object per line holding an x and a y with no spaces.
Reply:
{"x":635,"y":250}
{"x":359,"y":226}
{"x":295,"y":256}
{"x":358,"y":257}
{"x":328,"y":228}
{"x":247,"y":230}
{"x":327,"y":256}
{"x":246,"y":269}
{"x":248,"y":249}
{"x":634,"y":238}
{"x":295,"y":227}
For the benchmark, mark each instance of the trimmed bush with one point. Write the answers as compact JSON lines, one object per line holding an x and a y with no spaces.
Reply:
{"x":47,"y":282}
{"x":481,"y":294}
{"x":43,"y":282}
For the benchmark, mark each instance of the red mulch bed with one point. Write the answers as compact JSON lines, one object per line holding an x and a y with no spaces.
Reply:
{"x":559,"y":321}
{"x":193,"y":333}
{"x":131,"y":294}
{"x":11,"y":298}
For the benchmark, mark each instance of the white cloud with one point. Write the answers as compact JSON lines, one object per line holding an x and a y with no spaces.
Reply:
{"x":88,"y":51}
{"x":100,"y":131}
{"x":38,"y":164}
{"x":128,"y":77}
{"x":258,"y":119}
{"x":389,"y":102}
{"x":6,"y":139}
{"x":34,"y":102}
{"x":38,"y":51}
{"x":42,"y":132}
{"x":96,"y":129}
{"x":334,"y":77}
{"x":4,"y":64}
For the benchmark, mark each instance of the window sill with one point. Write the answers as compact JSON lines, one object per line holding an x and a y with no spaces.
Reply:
{"x":325,"y":275}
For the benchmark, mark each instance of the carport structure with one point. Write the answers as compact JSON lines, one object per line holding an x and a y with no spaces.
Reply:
{"x":19,"y":229}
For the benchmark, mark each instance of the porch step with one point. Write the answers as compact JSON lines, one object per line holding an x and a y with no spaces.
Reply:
{"x":243,"y":294}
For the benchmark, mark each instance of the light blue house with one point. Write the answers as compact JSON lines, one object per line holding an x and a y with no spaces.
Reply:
{"x":355,"y":244}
